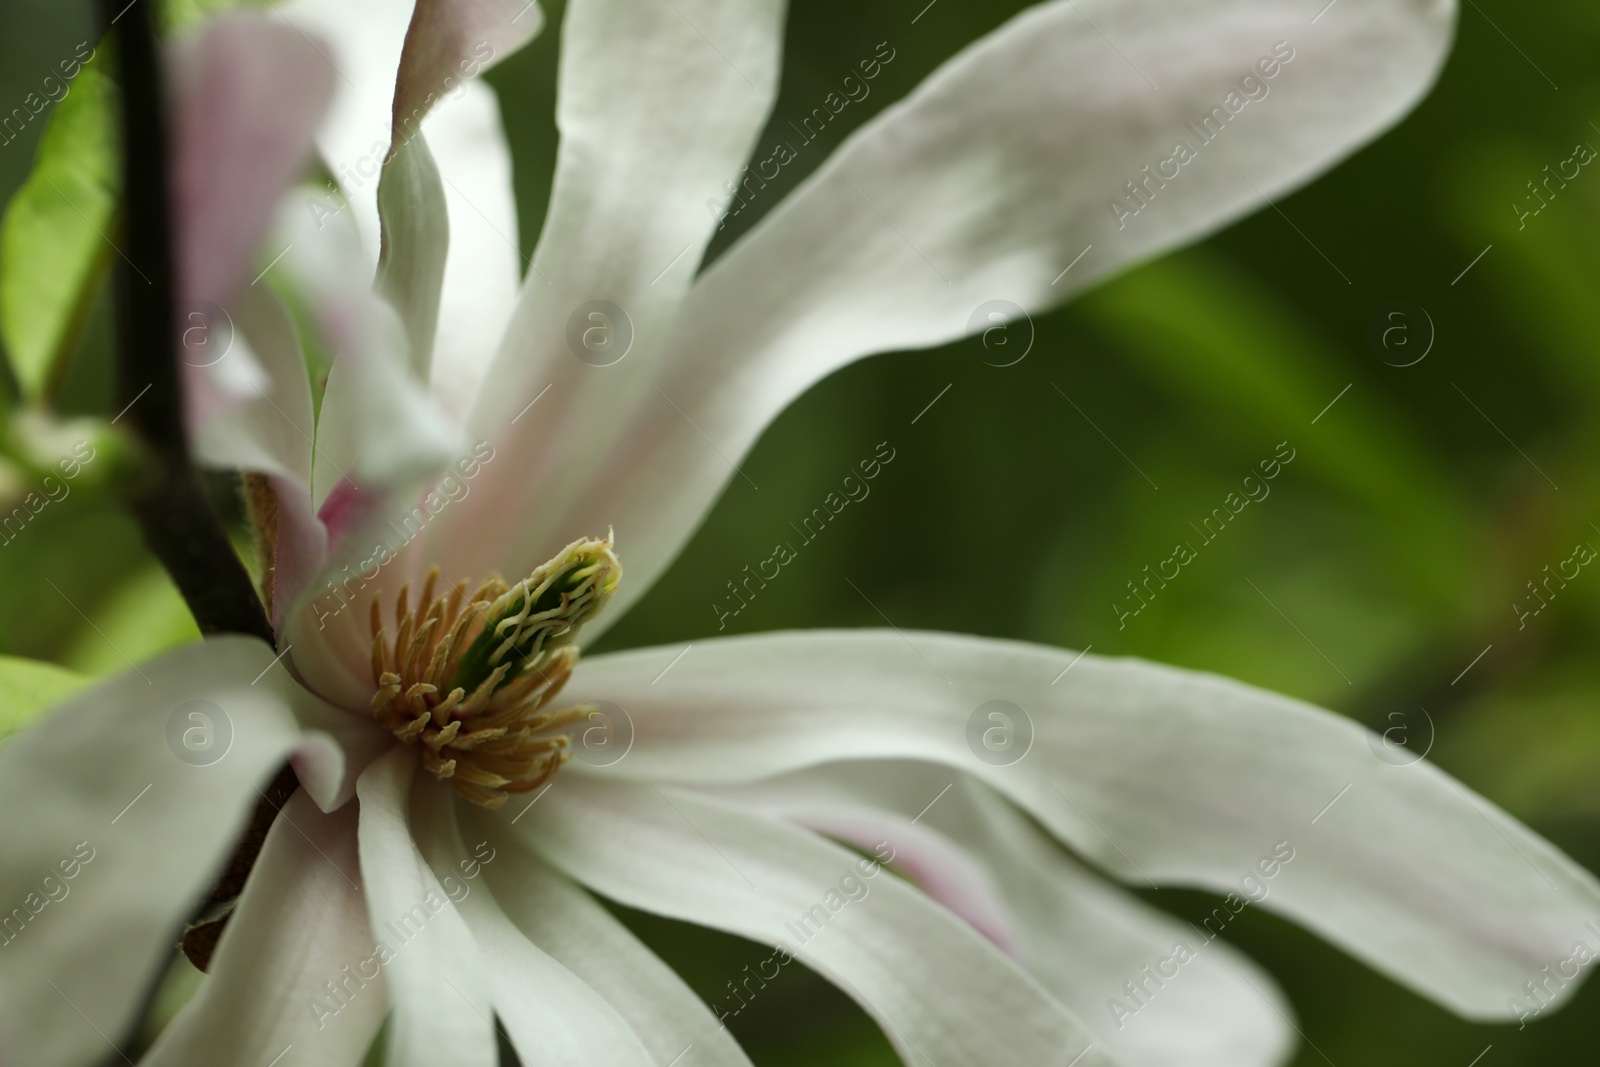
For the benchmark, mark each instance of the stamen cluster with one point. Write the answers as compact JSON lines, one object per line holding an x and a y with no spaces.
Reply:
{"x":467,"y":679}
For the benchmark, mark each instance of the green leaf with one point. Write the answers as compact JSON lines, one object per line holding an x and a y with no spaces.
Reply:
{"x":29,"y":688}
{"x":55,"y":243}
{"x":141,"y":619}
{"x":56,"y":238}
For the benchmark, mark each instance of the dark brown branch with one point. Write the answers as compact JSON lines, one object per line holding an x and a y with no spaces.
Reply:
{"x":168,"y":502}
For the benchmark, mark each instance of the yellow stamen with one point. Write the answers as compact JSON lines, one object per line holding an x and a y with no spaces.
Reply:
{"x":468,"y":678}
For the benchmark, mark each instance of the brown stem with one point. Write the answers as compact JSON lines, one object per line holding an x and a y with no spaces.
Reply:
{"x":168,"y":501}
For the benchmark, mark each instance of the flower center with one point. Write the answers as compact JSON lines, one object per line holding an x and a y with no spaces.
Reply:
{"x":468,"y":679}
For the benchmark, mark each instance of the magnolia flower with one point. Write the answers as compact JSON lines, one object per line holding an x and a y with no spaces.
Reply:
{"x":479,"y":468}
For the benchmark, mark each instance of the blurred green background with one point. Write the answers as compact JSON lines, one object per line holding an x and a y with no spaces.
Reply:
{"x":1386,"y":559}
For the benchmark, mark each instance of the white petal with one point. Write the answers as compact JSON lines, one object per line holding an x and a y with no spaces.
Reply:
{"x":450,"y":41}
{"x":249,"y":95}
{"x":565,"y":921}
{"x":329,"y":773}
{"x":377,"y":428}
{"x":300,"y":925}
{"x":551,"y":1015}
{"x":118,"y":827}
{"x":1155,"y":773}
{"x":416,"y":241}
{"x":1082,"y":937}
{"x":302,"y":546}
{"x":484,"y":265}
{"x":939,"y":989}
{"x":986,"y":185}
{"x":442,"y":1011}
{"x":271,"y":433}
{"x":365,"y":41}
{"x":658,"y":105}
{"x":361,"y":40}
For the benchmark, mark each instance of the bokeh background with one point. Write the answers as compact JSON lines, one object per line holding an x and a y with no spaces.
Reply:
{"x":1386,"y":561}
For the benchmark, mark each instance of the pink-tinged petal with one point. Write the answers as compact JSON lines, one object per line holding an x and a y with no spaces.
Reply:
{"x":249,"y":95}
{"x":1082,"y":936}
{"x":295,"y":981}
{"x":1156,"y":774}
{"x":124,"y":804}
{"x":213,"y":393}
{"x":942,"y":993}
{"x":377,"y":427}
{"x":929,"y":859}
{"x":346,"y":510}
{"x":378,"y":440}
{"x":450,"y":41}
{"x":302,"y":547}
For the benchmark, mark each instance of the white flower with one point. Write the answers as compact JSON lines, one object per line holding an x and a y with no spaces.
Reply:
{"x":750,"y":757}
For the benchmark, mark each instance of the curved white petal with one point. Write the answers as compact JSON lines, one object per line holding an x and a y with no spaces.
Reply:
{"x":484,"y":265}
{"x":658,"y":105}
{"x":391,"y":71}
{"x":377,"y":429}
{"x":272,"y":432}
{"x":565,"y":921}
{"x":451,"y":41}
{"x":1194,"y":1001}
{"x":440,"y":992}
{"x":551,"y":1015}
{"x":293,"y":981}
{"x":1155,"y":773}
{"x":829,"y":800}
{"x":122,"y":813}
{"x":361,"y":41}
{"x":329,"y":774}
{"x":416,"y":242}
{"x":939,"y":989}
{"x":379,"y":439}
{"x":987,"y":184}
{"x":249,"y":95}
{"x":301,"y":549}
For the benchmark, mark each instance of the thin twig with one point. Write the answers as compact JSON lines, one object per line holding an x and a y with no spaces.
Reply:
{"x":168,"y":501}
